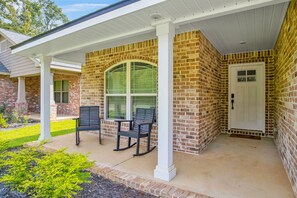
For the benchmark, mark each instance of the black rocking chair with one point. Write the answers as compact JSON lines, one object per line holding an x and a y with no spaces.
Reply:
{"x":140,"y":127}
{"x":88,"y":120}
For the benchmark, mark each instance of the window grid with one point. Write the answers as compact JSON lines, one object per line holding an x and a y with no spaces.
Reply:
{"x":61,"y":91}
{"x":128,"y":93}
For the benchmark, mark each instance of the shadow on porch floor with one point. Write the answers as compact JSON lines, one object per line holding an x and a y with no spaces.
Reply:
{"x":230,"y":167}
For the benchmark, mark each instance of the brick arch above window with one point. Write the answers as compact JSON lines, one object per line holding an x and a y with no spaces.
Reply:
{"x":129,"y":58}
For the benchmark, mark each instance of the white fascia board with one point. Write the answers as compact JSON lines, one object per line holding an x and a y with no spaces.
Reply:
{"x":63,"y":68}
{"x":94,"y":21}
{"x":119,"y":36}
{"x":240,"y":7}
{"x":4,"y":73}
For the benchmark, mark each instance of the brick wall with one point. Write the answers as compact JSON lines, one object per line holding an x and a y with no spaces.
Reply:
{"x":72,"y":107}
{"x":33,"y":94}
{"x":187,"y":136}
{"x":249,"y":57}
{"x":8,"y":91}
{"x":286,"y":93}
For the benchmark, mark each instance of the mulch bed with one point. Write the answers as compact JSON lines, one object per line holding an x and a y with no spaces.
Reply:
{"x":99,"y":187}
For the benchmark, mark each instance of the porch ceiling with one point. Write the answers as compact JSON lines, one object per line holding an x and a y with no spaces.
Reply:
{"x":224,"y":22}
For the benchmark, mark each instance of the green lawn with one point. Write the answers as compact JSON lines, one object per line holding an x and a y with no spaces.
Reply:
{"x":18,"y":137}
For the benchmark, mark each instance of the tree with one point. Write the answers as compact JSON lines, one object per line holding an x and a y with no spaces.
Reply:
{"x":30,"y":17}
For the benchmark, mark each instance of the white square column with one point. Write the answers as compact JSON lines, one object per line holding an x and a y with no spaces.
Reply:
{"x":45,"y":81}
{"x":21,"y":103}
{"x":21,"y":90}
{"x":165,"y":168}
{"x":52,"y":100}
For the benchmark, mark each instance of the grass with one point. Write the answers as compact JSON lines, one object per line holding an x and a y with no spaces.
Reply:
{"x":17,"y":137}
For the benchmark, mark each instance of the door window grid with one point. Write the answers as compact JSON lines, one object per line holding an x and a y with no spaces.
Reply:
{"x":246,"y":76}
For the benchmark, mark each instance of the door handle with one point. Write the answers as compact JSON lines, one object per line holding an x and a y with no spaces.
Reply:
{"x":232,"y":101}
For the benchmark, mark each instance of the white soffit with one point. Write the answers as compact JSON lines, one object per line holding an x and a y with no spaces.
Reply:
{"x":224,"y":22}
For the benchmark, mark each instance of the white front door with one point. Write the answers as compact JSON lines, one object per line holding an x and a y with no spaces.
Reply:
{"x":247,"y":96}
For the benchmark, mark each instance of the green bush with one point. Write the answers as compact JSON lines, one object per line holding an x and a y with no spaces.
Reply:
{"x":3,"y":121}
{"x":3,"y":108}
{"x":13,"y":116}
{"x":3,"y":145}
{"x":56,"y":174}
{"x":24,"y":119}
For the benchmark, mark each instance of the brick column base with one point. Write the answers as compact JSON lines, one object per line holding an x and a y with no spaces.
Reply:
{"x":53,"y":114}
{"x":22,"y":107}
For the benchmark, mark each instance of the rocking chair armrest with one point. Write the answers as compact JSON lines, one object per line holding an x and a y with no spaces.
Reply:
{"x":144,"y":123}
{"x":76,"y":121}
{"x":119,"y":120}
{"x":120,"y":123}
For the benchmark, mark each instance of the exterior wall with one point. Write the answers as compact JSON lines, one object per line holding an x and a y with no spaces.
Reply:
{"x":8,"y":91}
{"x":249,"y":57}
{"x":209,"y":93}
{"x":33,"y":94}
{"x":187,"y":89}
{"x":286,"y":93}
{"x":71,"y":108}
{"x":18,"y":65}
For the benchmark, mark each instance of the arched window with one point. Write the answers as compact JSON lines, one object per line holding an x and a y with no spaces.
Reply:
{"x":130,"y":85}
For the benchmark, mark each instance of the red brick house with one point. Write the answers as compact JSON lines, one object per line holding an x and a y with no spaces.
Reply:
{"x":20,"y":80}
{"x":209,"y":67}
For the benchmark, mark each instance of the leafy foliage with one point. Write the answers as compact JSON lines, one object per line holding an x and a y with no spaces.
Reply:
{"x":30,"y":17}
{"x":38,"y":174}
{"x":3,"y":121}
{"x":3,"y":146}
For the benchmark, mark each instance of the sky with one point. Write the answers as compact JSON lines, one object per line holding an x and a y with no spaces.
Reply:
{"x":74,"y":9}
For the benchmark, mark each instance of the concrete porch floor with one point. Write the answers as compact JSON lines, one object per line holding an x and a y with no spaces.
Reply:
{"x":230,"y":167}
{"x":36,"y":116}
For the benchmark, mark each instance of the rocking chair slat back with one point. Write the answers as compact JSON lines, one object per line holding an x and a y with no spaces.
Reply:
{"x":89,"y":116}
{"x":143,"y":115}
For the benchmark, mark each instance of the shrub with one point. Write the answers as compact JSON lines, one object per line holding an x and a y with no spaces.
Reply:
{"x":24,"y":119}
{"x":3,"y":108}
{"x":3,"y":145}
{"x":13,"y":116}
{"x":3,"y":121}
{"x":56,"y":174}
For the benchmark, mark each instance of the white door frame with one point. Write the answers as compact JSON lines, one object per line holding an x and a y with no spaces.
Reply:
{"x":260,"y":64}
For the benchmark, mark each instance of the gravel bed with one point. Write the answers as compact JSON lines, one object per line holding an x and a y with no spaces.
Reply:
{"x":102,"y":187}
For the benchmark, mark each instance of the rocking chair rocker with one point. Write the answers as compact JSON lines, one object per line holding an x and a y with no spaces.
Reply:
{"x":140,"y":127}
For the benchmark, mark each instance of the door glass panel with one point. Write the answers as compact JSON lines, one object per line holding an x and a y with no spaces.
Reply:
{"x":241,"y":73}
{"x":251,"y":78}
{"x":241,"y":79}
{"x":251,"y":72}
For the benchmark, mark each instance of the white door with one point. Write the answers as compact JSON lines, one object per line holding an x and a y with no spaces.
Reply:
{"x":247,"y":96}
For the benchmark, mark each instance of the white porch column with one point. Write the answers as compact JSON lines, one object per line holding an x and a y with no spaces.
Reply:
{"x":165,"y":168}
{"x":52,"y":100}
{"x":21,"y":103}
{"x":45,"y":80}
{"x":21,"y":90}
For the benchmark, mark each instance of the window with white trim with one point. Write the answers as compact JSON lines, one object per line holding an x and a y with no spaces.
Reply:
{"x":3,"y":46}
{"x":61,"y":91}
{"x":130,"y":85}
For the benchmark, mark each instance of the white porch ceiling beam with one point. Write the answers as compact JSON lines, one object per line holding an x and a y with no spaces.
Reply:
{"x":240,"y":7}
{"x":113,"y":38}
{"x":89,"y":23}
